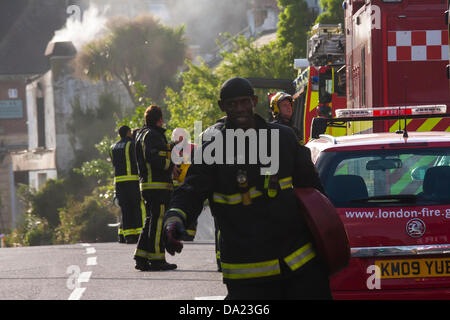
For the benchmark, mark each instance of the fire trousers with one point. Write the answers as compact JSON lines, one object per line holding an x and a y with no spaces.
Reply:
{"x":310,"y":282}
{"x":129,"y":196}
{"x":150,"y":245}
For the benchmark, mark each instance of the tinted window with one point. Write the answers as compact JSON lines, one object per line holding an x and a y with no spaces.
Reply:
{"x":384,"y":176}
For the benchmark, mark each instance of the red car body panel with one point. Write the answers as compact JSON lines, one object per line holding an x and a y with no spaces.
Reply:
{"x":409,"y":267}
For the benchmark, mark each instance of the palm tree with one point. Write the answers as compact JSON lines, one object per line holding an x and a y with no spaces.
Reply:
{"x":140,"y":49}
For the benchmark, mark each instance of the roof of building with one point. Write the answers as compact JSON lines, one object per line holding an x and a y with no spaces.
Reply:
{"x":60,"y":49}
{"x":26,"y":27}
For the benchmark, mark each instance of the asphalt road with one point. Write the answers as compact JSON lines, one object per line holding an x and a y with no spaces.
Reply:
{"x":105,"y":271}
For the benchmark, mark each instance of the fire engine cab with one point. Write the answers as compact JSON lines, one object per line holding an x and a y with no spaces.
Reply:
{"x":392,"y":192}
{"x":320,"y":85}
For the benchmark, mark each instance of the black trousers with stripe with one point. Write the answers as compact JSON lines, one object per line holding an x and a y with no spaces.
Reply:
{"x":150,"y":244}
{"x":310,"y":282}
{"x":129,"y":196}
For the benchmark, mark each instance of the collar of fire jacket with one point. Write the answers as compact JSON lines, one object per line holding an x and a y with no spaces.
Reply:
{"x":159,"y":129}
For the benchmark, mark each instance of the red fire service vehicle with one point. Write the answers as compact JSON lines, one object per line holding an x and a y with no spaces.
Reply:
{"x":392,"y":192}
{"x":396,"y":55}
{"x":320,"y":85}
{"x":447,"y":23}
{"x":389,"y":178}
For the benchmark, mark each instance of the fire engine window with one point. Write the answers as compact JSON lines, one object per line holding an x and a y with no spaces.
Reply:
{"x":329,"y":86}
{"x":339,"y":82}
{"x":325,"y":85}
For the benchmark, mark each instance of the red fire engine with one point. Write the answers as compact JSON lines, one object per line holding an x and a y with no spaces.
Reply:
{"x":447,"y":22}
{"x":396,"y":54}
{"x":320,"y":86}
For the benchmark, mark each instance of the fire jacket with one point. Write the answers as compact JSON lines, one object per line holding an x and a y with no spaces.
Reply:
{"x":256,"y":237}
{"x":289,"y":124}
{"x":153,"y":157}
{"x":123,"y":157}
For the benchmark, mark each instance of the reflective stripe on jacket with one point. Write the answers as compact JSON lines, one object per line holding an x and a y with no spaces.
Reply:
{"x":153,"y":158}
{"x":236,"y":198}
{"x":265,"y":233}
{"x":123,"y":157}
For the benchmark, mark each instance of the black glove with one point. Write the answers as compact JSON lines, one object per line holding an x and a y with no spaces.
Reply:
{"x":174,"y":231}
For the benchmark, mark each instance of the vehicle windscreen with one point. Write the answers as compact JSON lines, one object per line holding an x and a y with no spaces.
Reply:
{"x":377,"y":177}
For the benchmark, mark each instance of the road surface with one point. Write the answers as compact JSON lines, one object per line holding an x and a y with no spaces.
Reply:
{"x":105,"y":271}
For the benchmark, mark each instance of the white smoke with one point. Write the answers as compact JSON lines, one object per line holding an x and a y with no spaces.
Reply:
{"x":81,"y":29}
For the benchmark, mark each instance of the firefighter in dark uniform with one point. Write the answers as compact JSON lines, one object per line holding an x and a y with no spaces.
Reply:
{"x":281,"y":105}
{"x":153,"y":155}
{"x":126,"y":179}
{"x":265,"y":246}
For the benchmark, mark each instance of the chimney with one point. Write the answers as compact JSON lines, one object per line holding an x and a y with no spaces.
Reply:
{"x":60,"y":54}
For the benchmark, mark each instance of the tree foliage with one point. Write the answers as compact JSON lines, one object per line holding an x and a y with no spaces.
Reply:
{"x":46,"y":202}
{"x":86,"y":221}
{"x":295,"y":20}
{"x":140,"y":49}
{"x":332,"y":12}
{"x":196,"y":100}
{"x":199,"y":93}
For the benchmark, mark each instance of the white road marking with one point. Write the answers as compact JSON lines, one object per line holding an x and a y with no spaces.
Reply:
{"x":210,"y":298}
{"x":76,"y":294}
{"x":90,"y":250}
{"x":84,"y":276}
{"x":91,"y":261}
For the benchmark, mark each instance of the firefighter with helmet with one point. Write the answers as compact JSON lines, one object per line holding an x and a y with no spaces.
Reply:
{"x":281,"y":105}
{"x":126,"y":181}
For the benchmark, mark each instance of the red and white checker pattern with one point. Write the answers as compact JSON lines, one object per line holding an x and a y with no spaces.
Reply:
{"x":421,"y":45}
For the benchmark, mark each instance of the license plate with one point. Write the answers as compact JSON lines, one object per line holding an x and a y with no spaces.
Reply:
{"x":414,"y":268}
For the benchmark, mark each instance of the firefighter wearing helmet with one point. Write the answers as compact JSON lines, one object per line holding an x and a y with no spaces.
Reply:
{"x":281,"y":105}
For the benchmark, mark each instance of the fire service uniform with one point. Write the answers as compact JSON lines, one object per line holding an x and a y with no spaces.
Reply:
{"x":126,"y":180}
{"x":262,"y":234}
{"x":155,"y":172}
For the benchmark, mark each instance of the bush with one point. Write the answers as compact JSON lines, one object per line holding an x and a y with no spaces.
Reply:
{"x":40,"y":234}
{"x":33,"y":231}
{"x":86,"y":221}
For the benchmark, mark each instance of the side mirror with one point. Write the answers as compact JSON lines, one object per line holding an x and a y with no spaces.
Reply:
{"x":325,"y":110}
{"x":318,"y":127}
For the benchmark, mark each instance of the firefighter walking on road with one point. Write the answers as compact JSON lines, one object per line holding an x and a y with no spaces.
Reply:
{"x":126,"y":181}
{"x":153,"y":155}
{"x":266,"y":249}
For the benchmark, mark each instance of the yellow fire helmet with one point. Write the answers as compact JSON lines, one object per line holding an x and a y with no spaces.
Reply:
{"x":276,"y":98}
